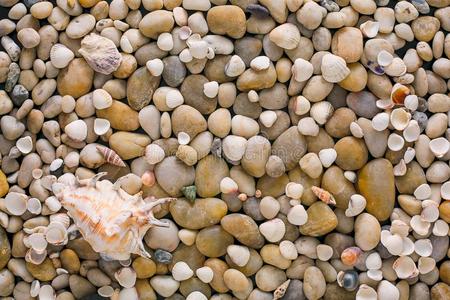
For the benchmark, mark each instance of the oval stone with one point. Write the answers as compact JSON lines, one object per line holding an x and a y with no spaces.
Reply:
{"x":244,"y":229}
{"x":203,"y":213}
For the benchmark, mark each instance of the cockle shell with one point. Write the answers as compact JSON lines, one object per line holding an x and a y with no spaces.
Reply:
{"x":399,"y":93}
{"x":405,"y":267}
{"x":60,"y":56}
{"x":302,"y":70}
{"x":370,"y":28}
{"x":112,"y":221}
{"x":366,"y":292}
{"x":400,"y":118}
{"x":323,"y":195}
{"x":100,"y":53}
{"x":321,"y":111}
{"x":334,"y":68}
{"x":111,"y":156}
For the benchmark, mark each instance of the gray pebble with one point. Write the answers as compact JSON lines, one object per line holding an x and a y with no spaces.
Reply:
{"x":19,"y":94}
{"x":421,"y":6}
{"x":421,"y":119}
{"x":163,"y":256}
{"x":440,"y":246}
{"x":13,"y":76}
{"x":331,"y":6}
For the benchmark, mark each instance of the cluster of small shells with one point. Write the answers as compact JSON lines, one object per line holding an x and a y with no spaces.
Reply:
{"x":307,"y":142}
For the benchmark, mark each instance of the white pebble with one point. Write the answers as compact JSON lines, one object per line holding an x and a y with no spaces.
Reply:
{"x":211,"y":89}
{"x":181,"y":271}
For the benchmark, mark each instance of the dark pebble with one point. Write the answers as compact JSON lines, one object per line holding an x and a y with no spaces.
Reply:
{"x":163,"y":256}
{"x":258,"y":11}
{"x":19,"y":94}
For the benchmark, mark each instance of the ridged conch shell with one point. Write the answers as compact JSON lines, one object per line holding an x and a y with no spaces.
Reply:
{"x":100,"y":53}
{"x":323,"y":195}
{"x":405,"y":267}
{"x":334,"y":68}
{"x":110,"y":220}
{"x":60,"y":56}
{"x":321,"y":111}
{"x":111,"y":156}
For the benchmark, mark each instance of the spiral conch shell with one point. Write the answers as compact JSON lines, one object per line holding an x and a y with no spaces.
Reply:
{"x":110,"y":220}
{"x":100,"y":53}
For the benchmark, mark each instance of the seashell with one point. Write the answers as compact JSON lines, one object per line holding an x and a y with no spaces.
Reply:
{"x":62,"y":218}
{"x":253,"y":96}
{"x":400,"y":118}
{"x":369,"y":28}
{"x":148,"y":178}
{"x":105,"y":291}
{"x":183,"y":138}
{"x":35,"y":257}
{"x":399,"y":227}
{"x":373,"y":261}
{"x":302,"y":70}
{"x":101,"y":99}
{"x":16,"y":203}
{"x":423,"y":247}
{"x":400,"y":168}
{"x":375,"y":68}
{"x":327,"y":157}
{"x":260,"y":63}
{"x":405,"y":79}
{"x":381,"y":121}
{"x":228,"y":186}
{"x":243,"y":197}
{"x":419,"y":225}
{"x":37,"y":241}
{"x":323,"y":195}
{"x":286,"y":36}
{"x":411,"y":102}
{"x":384,"y":58}
{"x":412,"y":131}
{"x":324,"y":252}
{"x":334,"y":68}
{"x":408,"y":246}
{"x":410,"y":153}
{"x":154,"y":154}
{"x":426,"y":265}
{"x":445,"y":190}
{"x":111,"y":156}
{"x":37,"y":173}
{"x":34,"y":206}
{"x":198,"y":49}
{"x":56,"y":234}
{"x":297,"y":214}
{"x":356,"y":130}
{"x":302,"y":106}
{"x":61,"y":56}
{"x":348,"y":280}
{"x":174,"y":98}
{"x":35,"y":287}
{"x":321,"y":111}
{"x":126,"y":277}
{"x":356,"y":205}
{"x":25,"y":144}
{"x":184,"y":33}
{"x":235,"y":66}
{"x":395,"y":142}
{"x":100,"y":53}
{"x":53,"y":204}
{"x":392,"y":242}
{"x":385,"y":104}
{"x":155,"y":66}
{"x":396,"y":68}
{"x":439,"y":146}
{"x":281,"y":290}
{"x":268,"y":118}
{"x":405,"y":267}
{"x":101,"y":126}
{"x":399,"y":93}
{"x":423,"y":191}
{"x":440,"y":228}
{"x":350,"y":176}
{"x":351,"y":255}
{"x":47,"y":292}
{"x":376,"y":275}
{"x":190,"y":192}
{"x":165,"y":41}
{"x":185,"y":56}
{"x":294,"y":190}
{"x":430,"y":211}
{"x":211,"y":89}
{"x":76,"y":130}
{"x":109,"y":219}
{"x":366,"y":292}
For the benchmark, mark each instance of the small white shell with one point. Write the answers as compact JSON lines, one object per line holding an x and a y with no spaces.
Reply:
{"x":185,"y":56}
{"x":260,"y":63}
{"x":155,"y":66}
{"x":400,"y":118}
{"x":101,"y":126}
{"x":445,"y":190}
{"x":37,"y":242}
{"x":385,"y":104}
{"x":384,"y":58}
{"x":56,"y":233}
{"x":356,"y":130}
{"x":76,"y":130}
{"x":412,"y":131}
{"x":411,"y":102}
{"x":380,"y":121}
{"x":350,"y":176}
{"x":426,"y":265}
{"x":375,"y":274}
{"x":253,"y":96}
{"x":423,"y":247}
{"x":165,"y":41}
{"x":228,"y":185}
{"x":206,"y":274}
{"x":356,"y":205}
{"x":105,"y":291}
{"x":327,"y":157}
{"x":294,"y":190}
{"x":419,"y":225}
{"x":373,"y":261}
{"x":184,"y":33}
{"x":174,"y":98}
{"x":154,"y":154}
{"x":211,"y":89}
{"x":101,"y":99}
{"x":183,"y":138}
{"x":321,"y":111}
{"x":25,"y":144}
{"x":392,"y":242}
{"x":307,"y":126}
{"x":400,"y":168}
{"x":396,"y":68}
{"x":395,"y":142}
{"x":334,"y":68}
{"x":35,"y":257}
{"x":408,"y":246}
{"x":302,"y":106}
{"x":430,"y":211}
{"x":268,"y":118}
{"x":60,"y":56}
{"x":302,"y":70}
{"x":423,"y":191}
{"x":324,"y":252}
{"x":297,"y":215}
{"x":53,"y":203}
{"x":366,"y":292}
{"x":405,"y":267}
{"x":240,"y":255}
{"x":370,"y":28}
{"x":37,"y":173}
{"x":126,"y":277}
{"x":440,"y":228}
{"x":16,"y":203}
{"x":410,"y":153}
{"x":46,"y":292}
{"x":439,"y":146}
{"x":62,"y":218}
{"x":235,"y":66}
{"x":34,"y":206}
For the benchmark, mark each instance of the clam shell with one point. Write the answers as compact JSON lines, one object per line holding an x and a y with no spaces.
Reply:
{"x":184,"y":33}
{"x":411,"y":102}
{"x":307,"y":126}
{"x":426,"y":265}
{"x":385,"y":103}
{"x":430,"y":211}
{"x":302,"y":70}
{"x":384,"y":58}
{"x":370,"y":28}
{"x":302,"y":106}
{"x":154,"y":154}
{"x":327,"y":156}
{"x":34,"y":206}
{"x":185,"y":56}
{"x":373,"y":261}
{"x":126,"y":277}
{"x":101,"y":126}
{"x":35,"y":257}
{"x":410,"y":153}
{"x":35,"y":287}
{"x":228,"y":185}
{"x":53,"y":204}
{"x":374,"y":274}
{"x":268,"y":118}
{"x":399,"y":227}
{"x":419,"y":225}
{"x":37,"y":241}
{"x":366,"y":292}
{"x":356,"y":205}
{"x":439,"y":146}
{"x":423,"y":247}
{"x":423,"y":191}
{"x":46,"y":292}
{"x":286,"y":36}
{"x":56,"y":234}
{"x":392,"y":242}
{"x":408,"y":246}
{"x":174,"y":98}
{"x":400,"y":168}
{"x":445,"y":190}
{"x":16,"y":203}
{"x":381,"y":121}
{"x":25,"y":144}
{"x":356,"y":130}
{"x":334,"y":68}
{"x":399,"y":93}
{"x":412,"y":131}
{"x":405,"y":267}
{"x":61,"y":56}
{"x":396,"y":68}
{"x":155,"y":66}
{"x":440,"y":228}
{"x":395,"y":142}
{"x":101,"y":99}
{"x":400,"y":118}
{"x":294,"y":190}
{"x":100,"y":53}
{"x":321,"y":111}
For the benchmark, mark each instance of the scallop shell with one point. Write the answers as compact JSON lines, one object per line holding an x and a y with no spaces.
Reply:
{"x":405,"y":267}
{"x":16,"y":203}
{"x":100,"y":53}
{"x":399,"y":93}
{"x":334,"y":68}
{"x":439,"y":146}
{"x":396,"y":68}
{"x":111,"y":156}
{"x":154,"y":154}
{"x":370,"y":28}
{"x":323,"y":195}
{"x":110,"y":220}
{"x":281,"y":290}
{"x":302,"y":70}
{"x":34,"y":206}
{"x":101,"y":126}
{"x":366,"y":292}
{"x":400,"y":118}
{"x":60,"y":56}
{"x":321,"y":111}
{"x":61,"y":218}
{"x":174,"y":98}
{"x":190,"y":192}
{"x":228,"y":185}
{"x":294,"y":190}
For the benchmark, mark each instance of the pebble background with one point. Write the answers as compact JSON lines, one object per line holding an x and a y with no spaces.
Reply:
{"x":307,"y":143}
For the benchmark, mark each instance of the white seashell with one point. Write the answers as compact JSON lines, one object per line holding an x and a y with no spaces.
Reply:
{"x":34,"y":206}
{"x":240,"y":255}
{"x":400,"y":118}
{"x":366,"y":292}
{"x":370,"y":28}
{"x":302,"y":70}
{"x":101,"y":126}
{"x":126,"y":277}
{"x":268,"y":118}
{"x":440,"y":228}
{"x":184,"y":33}
{"x":125,"y":44}
{"x":56,"y":233}
{"x":395,"y":142}
{"x":384,"y":58}
{"x":445,"y":190}
{"x":228,"y":185}
{"x":324,"y":252}
{"x":234,"y":147}
{"x":174,"y":98}
{"x":235,"y":66}
{"x":410,"y":153}
{"x":387,"y":290}
{"x":211,"y":54}
{"x":105,"y":291}
{"x":307,"y":126}
{"x":356,"y":205}
{"x":399,"y":93}
{"x":16,"y":203}
{"x":439,"y":146}
{"x":297,"y":215}
{"x":61,"y":56}
{"x":411,"y":102}
{"x":400,"y":168}
{"x":126,"y":263}
{"x":426,"y":265}
{"x":37,"y":242}
{"x":181,"y":271}
{"x":46,"y":292}
{"x":206,"y":274}
{"x":260,"y":63}
{"x":154,"y":154}
{"x":183,"y":138}
{"x":380,"y":121}
{"x":37,"y":173}
{"x":155,"y":66}
{"x":373,"y":261}
{"x":396,"y":68}
{"x":334,"y":68}
{"x":185,"y":56}
{"x":392,"y":242}
{"x":423,"y":191}
{"x":53,"y":204}
{"x":321,"y":111}
{"x":165,"y":41}
{"x":76,"y":130}
{"x":408,"y":246}
{"x":35,"y":287}
{"x":375,"y":274}
{"x":211,"y":89}
{"x":25,"y":144}
{"x":302,"y":106}
{"x":327,"y":156}
{"x":294,"y":190}
{"x":399,"y":227}
{"x":350,"y":176}
{"x":62,"y":218}
{"x":253,"y":96}
{"x":419,"y":225}
{"x":430,"y":211}
{"x":384,"y":104}
{"x":35,"y":257}
{"x":423,"y":247}
{"x":412,"y":131}
{"x":101,"y":99}
{"x":405,"y":267}
{"x":356,"y":130}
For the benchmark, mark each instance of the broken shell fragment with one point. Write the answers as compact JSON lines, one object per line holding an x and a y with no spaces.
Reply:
{"x":321,"y":111}
{"x":426,"y":265}
{"x":384,"y":58}
{"x":25,"y":144}
{"x":356,"y":205}
{"x":302,"y":105}
{"x":370,"y":28}
{"x":396,"y":68}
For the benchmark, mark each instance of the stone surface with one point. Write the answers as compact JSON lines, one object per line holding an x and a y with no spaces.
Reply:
{"x":75,"y":79}
{"x":120,"y":116}
{"x":321,"y":220}
{"x":244,"y":229}
{"x":140,"y":88}
{"x":203,"y":213}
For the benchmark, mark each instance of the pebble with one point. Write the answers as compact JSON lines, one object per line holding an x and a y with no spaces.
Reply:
{"x":164,"y":285}
{"x":227,"y":19}
{"x":128,"y":145}
{"x":43,"y":272}
{"x":314,"y":285}
{"x":165,"y":238}
{"x":140,"y":88}
{"x":203,"y":213}
{"x":244,"y":229}
{"x":321,"y":220}
{"x":273,"y":230}
{"x":5,"y":249}
{"x":367,"y":231}
{"x":75,"y":79}
{"x":213,"y":241}
{"x":163,"y":256}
